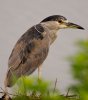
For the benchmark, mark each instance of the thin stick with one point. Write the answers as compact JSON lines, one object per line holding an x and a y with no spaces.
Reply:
{"x":67,"y":92}
{"x":2,"y":89}
{"x":55,"y":86}
{"x":71,"y":96}
{"x":10,"y":94}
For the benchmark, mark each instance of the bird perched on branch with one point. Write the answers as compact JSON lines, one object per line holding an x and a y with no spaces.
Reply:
{"x":33,"y":46}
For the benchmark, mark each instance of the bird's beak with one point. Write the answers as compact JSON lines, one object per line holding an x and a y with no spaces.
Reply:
{"x":74,"y":26}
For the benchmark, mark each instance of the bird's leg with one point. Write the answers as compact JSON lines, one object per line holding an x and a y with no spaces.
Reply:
{"x":39,"y":72}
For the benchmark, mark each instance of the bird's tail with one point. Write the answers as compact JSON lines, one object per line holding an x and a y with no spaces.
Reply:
{"x":6,"y":83}
{"x":5,"y":92}
{"x":10,"y":79}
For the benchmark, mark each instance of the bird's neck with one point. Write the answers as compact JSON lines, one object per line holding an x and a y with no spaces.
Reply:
{"x":52,"y":31}
{"x":53,"y":36}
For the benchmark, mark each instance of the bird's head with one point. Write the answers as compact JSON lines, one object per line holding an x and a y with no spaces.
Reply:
{"x":59,"y":22}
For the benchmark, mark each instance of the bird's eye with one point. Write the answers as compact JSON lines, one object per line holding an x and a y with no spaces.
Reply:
{"x":60,"y":21}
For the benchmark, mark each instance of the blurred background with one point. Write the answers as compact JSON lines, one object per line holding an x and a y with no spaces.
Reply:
{"x":16,"y":16}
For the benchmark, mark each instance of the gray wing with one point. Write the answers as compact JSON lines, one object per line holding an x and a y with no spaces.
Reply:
{"x":29,"y":53}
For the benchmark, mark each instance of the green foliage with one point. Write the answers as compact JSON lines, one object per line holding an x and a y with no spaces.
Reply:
{"x":34,"y":89}
{"x":27,"y":84}
{"x":79,"y":64}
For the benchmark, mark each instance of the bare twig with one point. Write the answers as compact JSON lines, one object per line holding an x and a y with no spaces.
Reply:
{"x":10,"y":94}
{"x":2,"y":89}
{"x":55,"y":86}
{"x":68,"y":92}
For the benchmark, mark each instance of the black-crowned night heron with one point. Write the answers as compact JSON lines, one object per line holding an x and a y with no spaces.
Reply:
{"x":32,"y":48}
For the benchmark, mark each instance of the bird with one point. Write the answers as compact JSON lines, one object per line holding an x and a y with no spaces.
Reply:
{"x":33,"y":46}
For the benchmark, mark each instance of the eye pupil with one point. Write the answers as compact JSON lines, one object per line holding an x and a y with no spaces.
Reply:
{"x":60,"y":21}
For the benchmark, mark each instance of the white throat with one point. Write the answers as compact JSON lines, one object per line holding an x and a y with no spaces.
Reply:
{"x":52,"y":28}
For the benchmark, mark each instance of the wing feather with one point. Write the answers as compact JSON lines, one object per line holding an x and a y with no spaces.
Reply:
{"x":29,"y":53}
